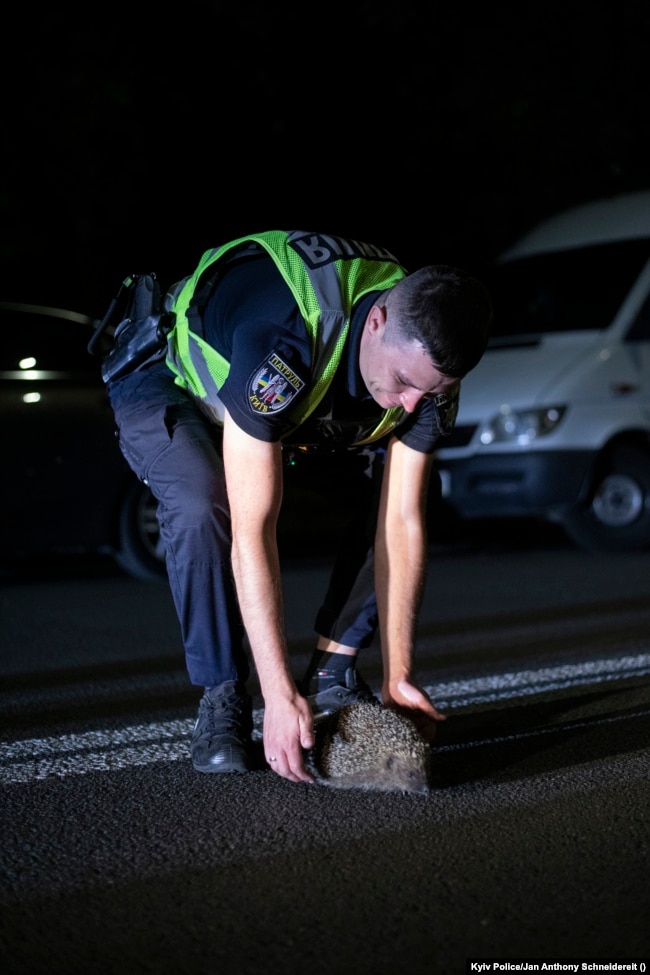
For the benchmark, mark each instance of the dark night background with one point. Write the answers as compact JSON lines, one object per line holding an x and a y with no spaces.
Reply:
{"x":137,"y":136}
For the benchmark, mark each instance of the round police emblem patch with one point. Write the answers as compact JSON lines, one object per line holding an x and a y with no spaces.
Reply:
{"x":273,"y":386}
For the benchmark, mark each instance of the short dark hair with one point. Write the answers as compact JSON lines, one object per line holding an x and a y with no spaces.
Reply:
{"x":447,"y":310}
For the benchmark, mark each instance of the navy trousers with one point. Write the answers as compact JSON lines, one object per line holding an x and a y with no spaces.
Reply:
{"x":172,"y":446}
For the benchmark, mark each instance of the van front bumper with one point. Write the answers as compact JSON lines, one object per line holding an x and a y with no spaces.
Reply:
{"x":512,"y":485}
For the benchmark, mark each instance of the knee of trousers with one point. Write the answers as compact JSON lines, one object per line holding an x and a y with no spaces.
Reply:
{"x":189,"y":482}
{"x":195,"y":514}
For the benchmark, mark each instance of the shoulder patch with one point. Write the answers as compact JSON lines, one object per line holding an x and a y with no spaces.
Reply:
{"x":273,"y":386}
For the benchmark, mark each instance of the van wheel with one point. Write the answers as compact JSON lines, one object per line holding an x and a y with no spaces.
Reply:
{"x":139,"y":552}
{"x":616,"y":516}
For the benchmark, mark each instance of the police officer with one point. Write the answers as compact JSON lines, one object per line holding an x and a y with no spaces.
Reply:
{"x":295,"y":338}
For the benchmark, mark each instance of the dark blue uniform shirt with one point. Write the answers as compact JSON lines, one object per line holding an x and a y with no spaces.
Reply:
{"x":252,"y":319}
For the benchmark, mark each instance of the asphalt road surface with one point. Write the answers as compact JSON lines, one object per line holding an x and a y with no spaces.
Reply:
{"x":533,"y":842}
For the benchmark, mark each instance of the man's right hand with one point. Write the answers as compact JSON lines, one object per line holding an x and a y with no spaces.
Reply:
{"x":288,"y":730}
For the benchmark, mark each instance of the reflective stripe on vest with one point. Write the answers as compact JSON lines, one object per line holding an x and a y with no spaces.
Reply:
{"x":325,"y":275}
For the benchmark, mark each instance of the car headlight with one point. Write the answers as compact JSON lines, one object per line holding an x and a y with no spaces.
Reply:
{"x":521,"y":426}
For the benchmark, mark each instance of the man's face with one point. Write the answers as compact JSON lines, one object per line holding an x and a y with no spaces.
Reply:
{"x":397,"y":374}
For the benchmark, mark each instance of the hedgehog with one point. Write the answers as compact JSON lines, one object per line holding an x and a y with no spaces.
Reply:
{"x":370,"y":746}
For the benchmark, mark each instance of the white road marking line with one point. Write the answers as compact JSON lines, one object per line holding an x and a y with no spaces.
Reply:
{"x":89,"y":740}
{"x":92,"y":751}
{"x":499,"y":687}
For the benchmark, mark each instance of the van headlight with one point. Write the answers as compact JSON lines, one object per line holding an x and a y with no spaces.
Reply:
{"x":521,"y":426}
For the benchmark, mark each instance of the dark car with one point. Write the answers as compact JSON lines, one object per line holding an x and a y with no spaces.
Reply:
{"x":65,"y":485}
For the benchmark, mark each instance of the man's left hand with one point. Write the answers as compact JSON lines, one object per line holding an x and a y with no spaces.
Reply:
{"x":416,"y":704}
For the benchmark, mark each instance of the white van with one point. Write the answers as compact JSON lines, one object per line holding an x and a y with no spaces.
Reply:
{"x":554,"y":422}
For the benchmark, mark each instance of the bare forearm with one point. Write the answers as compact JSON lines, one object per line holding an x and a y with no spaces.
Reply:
{"x":256,"y":569}
{"x":401,"y":558}
{"x":254,"y":509}
{"x":400,"y":567}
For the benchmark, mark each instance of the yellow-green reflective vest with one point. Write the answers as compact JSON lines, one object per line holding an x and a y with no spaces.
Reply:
{"x":326,"y":276}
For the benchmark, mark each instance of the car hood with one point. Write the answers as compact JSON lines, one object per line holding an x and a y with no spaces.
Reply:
{"x":522,"y":372}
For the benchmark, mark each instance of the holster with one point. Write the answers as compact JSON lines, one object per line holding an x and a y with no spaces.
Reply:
{"x":136,"y":343}
{"x":140,"y":335}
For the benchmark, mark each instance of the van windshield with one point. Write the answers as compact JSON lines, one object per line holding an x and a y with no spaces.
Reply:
{"x":571,"y":290}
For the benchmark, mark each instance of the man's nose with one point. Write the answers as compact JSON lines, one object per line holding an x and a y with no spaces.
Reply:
{"x":410,"y":399}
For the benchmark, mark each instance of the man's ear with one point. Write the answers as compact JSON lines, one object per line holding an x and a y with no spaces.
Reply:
{"x":376,"y":320}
